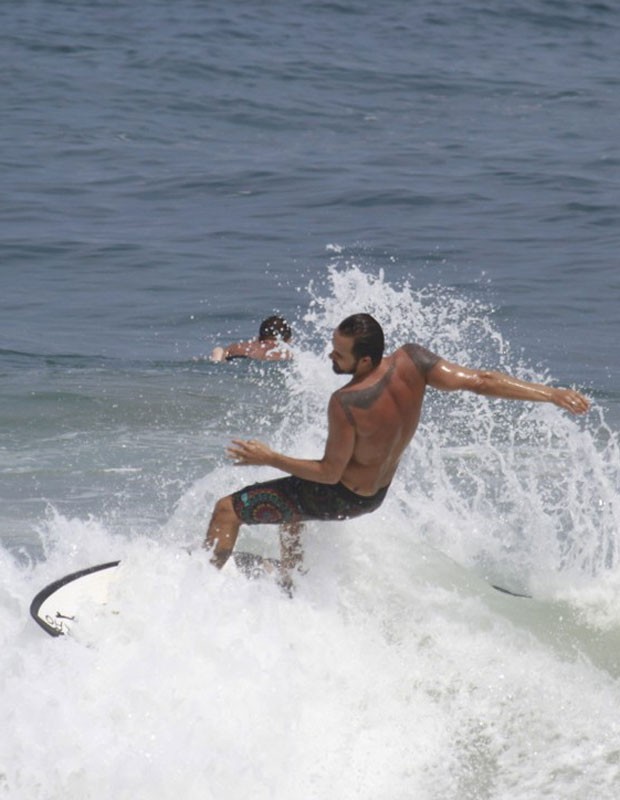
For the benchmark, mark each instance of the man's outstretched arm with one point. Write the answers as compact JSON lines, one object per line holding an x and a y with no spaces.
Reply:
{"x":450,"y":377}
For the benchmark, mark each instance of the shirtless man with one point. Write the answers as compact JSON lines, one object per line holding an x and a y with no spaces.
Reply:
{"x":371,"y":421}
{"x":273,"y":332}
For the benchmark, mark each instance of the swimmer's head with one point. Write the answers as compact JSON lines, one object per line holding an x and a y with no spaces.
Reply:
{"x":274,"y":328}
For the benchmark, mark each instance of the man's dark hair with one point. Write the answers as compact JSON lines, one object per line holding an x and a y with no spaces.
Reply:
{"x":274,"y":328}
{"x":367,"y":335}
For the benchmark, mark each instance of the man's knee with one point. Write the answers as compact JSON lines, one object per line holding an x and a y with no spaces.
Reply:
{"x":222,"y":531}
{"x":225,"y":510}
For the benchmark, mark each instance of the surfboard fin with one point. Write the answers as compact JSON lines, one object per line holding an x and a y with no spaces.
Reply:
{"x":511,"y":593}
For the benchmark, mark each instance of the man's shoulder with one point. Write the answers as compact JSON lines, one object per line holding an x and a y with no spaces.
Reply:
{"x":369,"y":392}
{"x":337,"y":397}
{"x":418,"y":355}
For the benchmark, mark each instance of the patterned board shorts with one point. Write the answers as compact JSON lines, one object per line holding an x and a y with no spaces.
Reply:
{"x":295,"y":500}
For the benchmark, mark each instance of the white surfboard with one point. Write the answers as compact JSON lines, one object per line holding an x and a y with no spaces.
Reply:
{"x":56,"y":608}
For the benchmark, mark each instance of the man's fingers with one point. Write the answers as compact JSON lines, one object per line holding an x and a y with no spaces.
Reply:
{"x":575,"y":402}
{"x":242,"y":451}
{"x":236,"y":452}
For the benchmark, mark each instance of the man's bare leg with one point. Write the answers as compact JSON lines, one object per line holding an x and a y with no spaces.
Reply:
{"x":222,"y":532}
{"x":291,"y":553}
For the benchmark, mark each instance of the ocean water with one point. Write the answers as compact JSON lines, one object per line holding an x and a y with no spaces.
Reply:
{"x":175,"y":172}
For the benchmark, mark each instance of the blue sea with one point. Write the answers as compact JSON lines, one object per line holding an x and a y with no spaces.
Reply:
{"x":172,"y":173}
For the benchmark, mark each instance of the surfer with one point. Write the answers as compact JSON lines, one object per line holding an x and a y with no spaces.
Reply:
{"x":274,"y":332}
{"x":371,"y":420}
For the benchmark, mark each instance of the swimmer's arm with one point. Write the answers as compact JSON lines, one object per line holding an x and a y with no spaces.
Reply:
{"x":450,"y":377}
{"x":329,"y":469}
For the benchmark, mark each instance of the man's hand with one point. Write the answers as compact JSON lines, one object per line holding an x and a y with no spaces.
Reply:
{"x":250,"y":452}
{"x":571,"y":400}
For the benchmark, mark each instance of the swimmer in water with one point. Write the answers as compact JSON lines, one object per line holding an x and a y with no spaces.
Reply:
{"x":272,"y":343}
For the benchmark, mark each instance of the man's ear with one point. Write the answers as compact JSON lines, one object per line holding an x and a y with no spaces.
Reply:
{"x":365,"y":362}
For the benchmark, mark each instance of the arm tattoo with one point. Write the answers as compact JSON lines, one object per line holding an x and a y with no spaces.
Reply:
{"x":424,"y":359}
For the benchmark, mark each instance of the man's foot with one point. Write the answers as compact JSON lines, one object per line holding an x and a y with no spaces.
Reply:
{"x":254,"y":566}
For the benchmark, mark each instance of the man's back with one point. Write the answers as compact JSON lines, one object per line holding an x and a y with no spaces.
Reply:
{"x":265,"y":350}
{"x":384,"y":408}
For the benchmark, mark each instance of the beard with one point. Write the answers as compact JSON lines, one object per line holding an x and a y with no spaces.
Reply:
{"x":339,"y":371}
